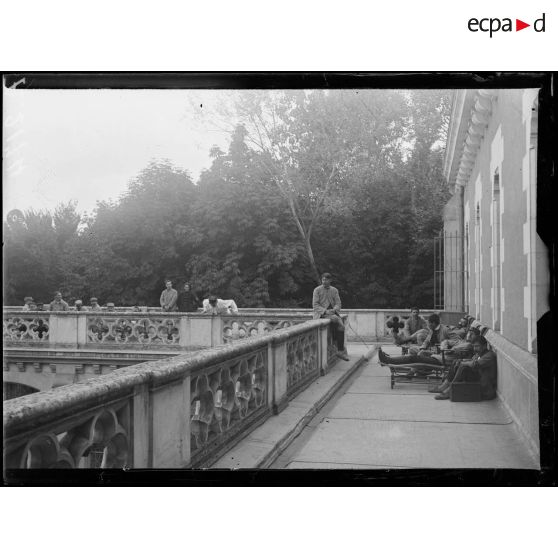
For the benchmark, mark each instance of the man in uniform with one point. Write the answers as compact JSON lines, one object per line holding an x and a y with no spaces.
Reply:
{"x":481,"y":368}
{"x":59,"y":305}
{"x":94,"y":304}
{"x":327,"y":304}
{"x":168,"y":298}
{"x":187,"y":301}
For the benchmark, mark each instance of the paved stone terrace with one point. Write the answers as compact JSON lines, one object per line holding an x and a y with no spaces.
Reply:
{"x":367,"y":425}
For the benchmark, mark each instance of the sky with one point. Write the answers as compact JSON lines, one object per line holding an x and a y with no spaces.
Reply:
{"x":85,"y":145}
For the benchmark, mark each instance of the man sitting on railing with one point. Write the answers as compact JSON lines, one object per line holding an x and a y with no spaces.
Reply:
{"x":213,"y":305}
{"x":326,"y":303}
{"x":481,"y":368}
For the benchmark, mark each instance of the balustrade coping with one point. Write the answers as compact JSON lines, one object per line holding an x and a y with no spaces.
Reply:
{"x":35,"y":410}
{"x":153,"y":310}
{"x":127,"y":313}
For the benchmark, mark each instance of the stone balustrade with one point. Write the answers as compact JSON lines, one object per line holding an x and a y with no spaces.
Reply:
{"x":363,"y":324}
{"x":178,"y":412}
{"x":129,"y":331}
{"x":175,"y":331}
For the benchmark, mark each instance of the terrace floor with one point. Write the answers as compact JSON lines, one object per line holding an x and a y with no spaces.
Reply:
{"x":367,"y":425}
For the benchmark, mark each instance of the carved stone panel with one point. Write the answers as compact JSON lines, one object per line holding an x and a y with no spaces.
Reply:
{"x":132,"y":330}
{"x":32,"y":328}
{"x":241,"y":328}
{"x":302,"y":360}
{"x":225,"y":399}
{"x":97,"y":439}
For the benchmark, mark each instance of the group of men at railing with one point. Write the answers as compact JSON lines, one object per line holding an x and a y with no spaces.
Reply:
{"x":326,"y":303}
{"x":170,"y":300}
{"x":187,"y":301}
{"x":462,"y":349}
{"x":58,"y":304}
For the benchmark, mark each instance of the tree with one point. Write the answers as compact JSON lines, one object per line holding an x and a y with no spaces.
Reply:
{"x":306,"y":141}
{"x":31,"y":256}
{"x":423,"y":174}
{"x":343,"y":181}
{"x":129,"y":247}
{"x":250,"y":250}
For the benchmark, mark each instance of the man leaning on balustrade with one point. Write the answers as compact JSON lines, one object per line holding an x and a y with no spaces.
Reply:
{"x":213,"y":305}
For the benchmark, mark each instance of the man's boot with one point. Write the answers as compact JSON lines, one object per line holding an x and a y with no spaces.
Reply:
{"x":439,"y":388}
{"x":342,"y":354}
{"x":443,"y":395}
{"x":382,"y":357}
{"x":341,"y":350}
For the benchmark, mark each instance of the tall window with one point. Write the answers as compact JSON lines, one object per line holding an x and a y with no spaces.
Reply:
{"x":496,"y":263}
{"x":539,"y":277}
{"x":477,"y":263}
{"x":466,"y":270}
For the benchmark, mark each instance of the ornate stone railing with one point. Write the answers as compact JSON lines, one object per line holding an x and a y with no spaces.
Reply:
{"x":367,"y":324}
{"x":178,"y":412}
{"x":176,"y":331}
{"x":303,"y":360}
{"x":26,"y":327}
{"x":137,"y":330}
{"x":130,"y":330}
{"x":250,"y":324}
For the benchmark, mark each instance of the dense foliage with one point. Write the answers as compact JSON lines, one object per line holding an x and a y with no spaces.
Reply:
{"x":346,"y":182}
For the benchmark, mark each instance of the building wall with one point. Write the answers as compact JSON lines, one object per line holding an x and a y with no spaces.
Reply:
{"x":503,"y":150}
{"x":501,"y":235}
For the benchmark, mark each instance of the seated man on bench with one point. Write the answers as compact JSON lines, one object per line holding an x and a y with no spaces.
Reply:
{"x":481,"y":368}
{"x":412,"y":326}
{"x":438,"y":336}
{"x":462,"y":349}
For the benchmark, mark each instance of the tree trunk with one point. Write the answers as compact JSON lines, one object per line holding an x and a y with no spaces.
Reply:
{"x":310,"y":254}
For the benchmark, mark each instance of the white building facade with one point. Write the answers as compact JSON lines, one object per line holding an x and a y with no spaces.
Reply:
{"x":503,"y":279}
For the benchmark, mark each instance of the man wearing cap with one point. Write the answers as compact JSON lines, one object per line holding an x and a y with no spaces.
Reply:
{"x":481,"y":368}
{"x":168,"y":298}
{"x":26,"y":306}
{"x":111,"y":307}
{"x":59,"y":305}
{"x":213,"y":305}
{"x":94,"y":304}
{"x":326,"y":303}
{"x":79,"y":306}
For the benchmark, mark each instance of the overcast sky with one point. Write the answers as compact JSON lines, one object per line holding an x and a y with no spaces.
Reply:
{"x":87,"y":144}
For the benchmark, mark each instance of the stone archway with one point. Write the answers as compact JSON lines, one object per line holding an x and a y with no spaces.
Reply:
{"x":11,"y":390}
